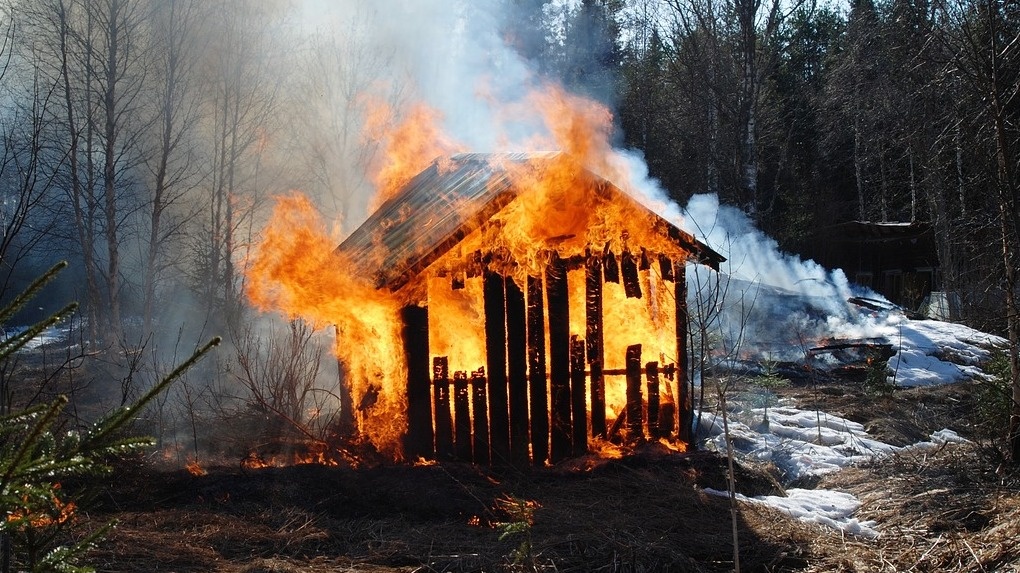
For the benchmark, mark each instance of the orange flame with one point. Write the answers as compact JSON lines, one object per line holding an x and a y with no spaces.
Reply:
{"x":560,"y":206}
{"x":57,"y":513}
{"x":294,"y":270}
{"x":195,"y":468}
{"x":409,"y":143}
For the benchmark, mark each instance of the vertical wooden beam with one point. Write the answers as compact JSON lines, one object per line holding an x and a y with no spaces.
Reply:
{"x":667,"y":405}
{"x":479,"y":406}
{"x":537,"y":377}
{"x":419,"y":438}
{"x":441,"y":403}
{"x":596,"y":346}
{"x":578,"y":403}
{"x":557,"y":298}
{"x":635,"y":419}
{"x":494,"y":293}
{"x":517,"y":371}
{"x":684,"y":405}
{"x":345,"y":418}
{"x":612,"y":268}
{"x":461,"y":416}
{"x":666,"y":268}
{"x":652,"y":376}
{"x":629,"y":270}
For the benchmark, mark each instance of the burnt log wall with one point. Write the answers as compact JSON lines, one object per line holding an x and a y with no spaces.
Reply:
{"x":419,"y":440}
{"x":519,"y":409}
{"x":557,"y":297}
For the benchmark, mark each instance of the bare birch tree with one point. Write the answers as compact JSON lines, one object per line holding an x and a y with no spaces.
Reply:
{"x":171,"y":166}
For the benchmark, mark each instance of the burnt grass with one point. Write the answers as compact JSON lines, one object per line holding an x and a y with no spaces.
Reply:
{"x":956,"y":508}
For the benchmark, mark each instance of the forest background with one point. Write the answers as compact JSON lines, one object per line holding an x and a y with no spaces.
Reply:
{"x":143,"y":140}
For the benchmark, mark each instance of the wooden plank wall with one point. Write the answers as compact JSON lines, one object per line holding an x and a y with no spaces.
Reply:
{"x":520,"y":409}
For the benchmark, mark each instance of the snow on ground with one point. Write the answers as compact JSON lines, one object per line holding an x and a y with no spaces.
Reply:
{"x":811,"y":443}
{"x":52,"y":334}
{"x":832,"y":509}
{"x":807,"y":443}
{"x":936,"y":352}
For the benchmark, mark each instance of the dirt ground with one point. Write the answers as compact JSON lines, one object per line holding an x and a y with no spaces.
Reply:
{"x":954,"y":509}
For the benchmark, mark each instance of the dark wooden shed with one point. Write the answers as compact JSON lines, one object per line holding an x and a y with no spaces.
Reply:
{"x":515,"y":271}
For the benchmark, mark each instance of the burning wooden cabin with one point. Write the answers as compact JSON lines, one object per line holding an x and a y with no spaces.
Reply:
{"x":542,"y":306}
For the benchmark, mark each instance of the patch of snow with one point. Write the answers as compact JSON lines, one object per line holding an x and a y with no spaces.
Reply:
{"x":935,"y":352}
{"x":52,"y":334}
{"x":808,"y":443}
{"x":799,"y":442}
{"x":832,"y":509}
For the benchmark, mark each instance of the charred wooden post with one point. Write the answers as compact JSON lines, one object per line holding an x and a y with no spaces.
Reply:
{"x":596,"y":346}
{"x":578,"y":399}
{"x":652,"y":376}
{"x":345,"y":416}
{"x":631,"y":280}
{"x":667,"y":411}
{"x":666,"y":268}
{"x":461,"y":416}
{"x":559,"y":356}
{"x":684,"y":405}
{"x":441,"y":403}
{"x":419,"y":439}
{"x":611,"y":269}
{"x":517,"y":372}
{"x":479,"y":405}
{"x":539,"y":401}
{"x":635,"y":419}
{"x":494,"y":293}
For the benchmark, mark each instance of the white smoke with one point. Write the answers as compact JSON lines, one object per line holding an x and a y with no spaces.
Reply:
{"x":452,"y":55}
{"x":764,"y":304}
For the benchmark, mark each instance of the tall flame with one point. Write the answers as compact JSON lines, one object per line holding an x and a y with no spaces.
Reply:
{"x":294,"y":270}
{"x":409,"y":144}
{"x":560,"y":206}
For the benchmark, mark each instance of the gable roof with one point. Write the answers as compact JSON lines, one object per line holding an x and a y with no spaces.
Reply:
{"x":447,"y":201}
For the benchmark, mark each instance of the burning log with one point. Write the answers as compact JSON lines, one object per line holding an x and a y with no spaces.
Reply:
{"x":559,"y":356}
{"x":881,"y":348}
{"x":481,"y":417}
{"x":461,"y":416}
{"x":652,"y":377}
{"x":345,"y":418}
{"x":419,"y":439}
{"x":596,"y":346}
{"x":441,"y":395}
{"x":369,"y":398}
{"x":634,"y":417}
{"x":631,"y":280}
{"x":517,"y":372}
{"x":536,"y":373}
{"x":851,"y":359}
{"x":666,"y":268}
{"x":579,"y":435}
{"x":667,"y":413}
{"x":614,"y":430}
{"x":611,"y":269}
{"x":494,"y":292}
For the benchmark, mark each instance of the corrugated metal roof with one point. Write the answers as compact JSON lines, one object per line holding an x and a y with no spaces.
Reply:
{"x":443,"y":204}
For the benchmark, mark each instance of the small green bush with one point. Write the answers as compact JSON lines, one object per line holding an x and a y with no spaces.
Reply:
{"x":36,"y":513}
